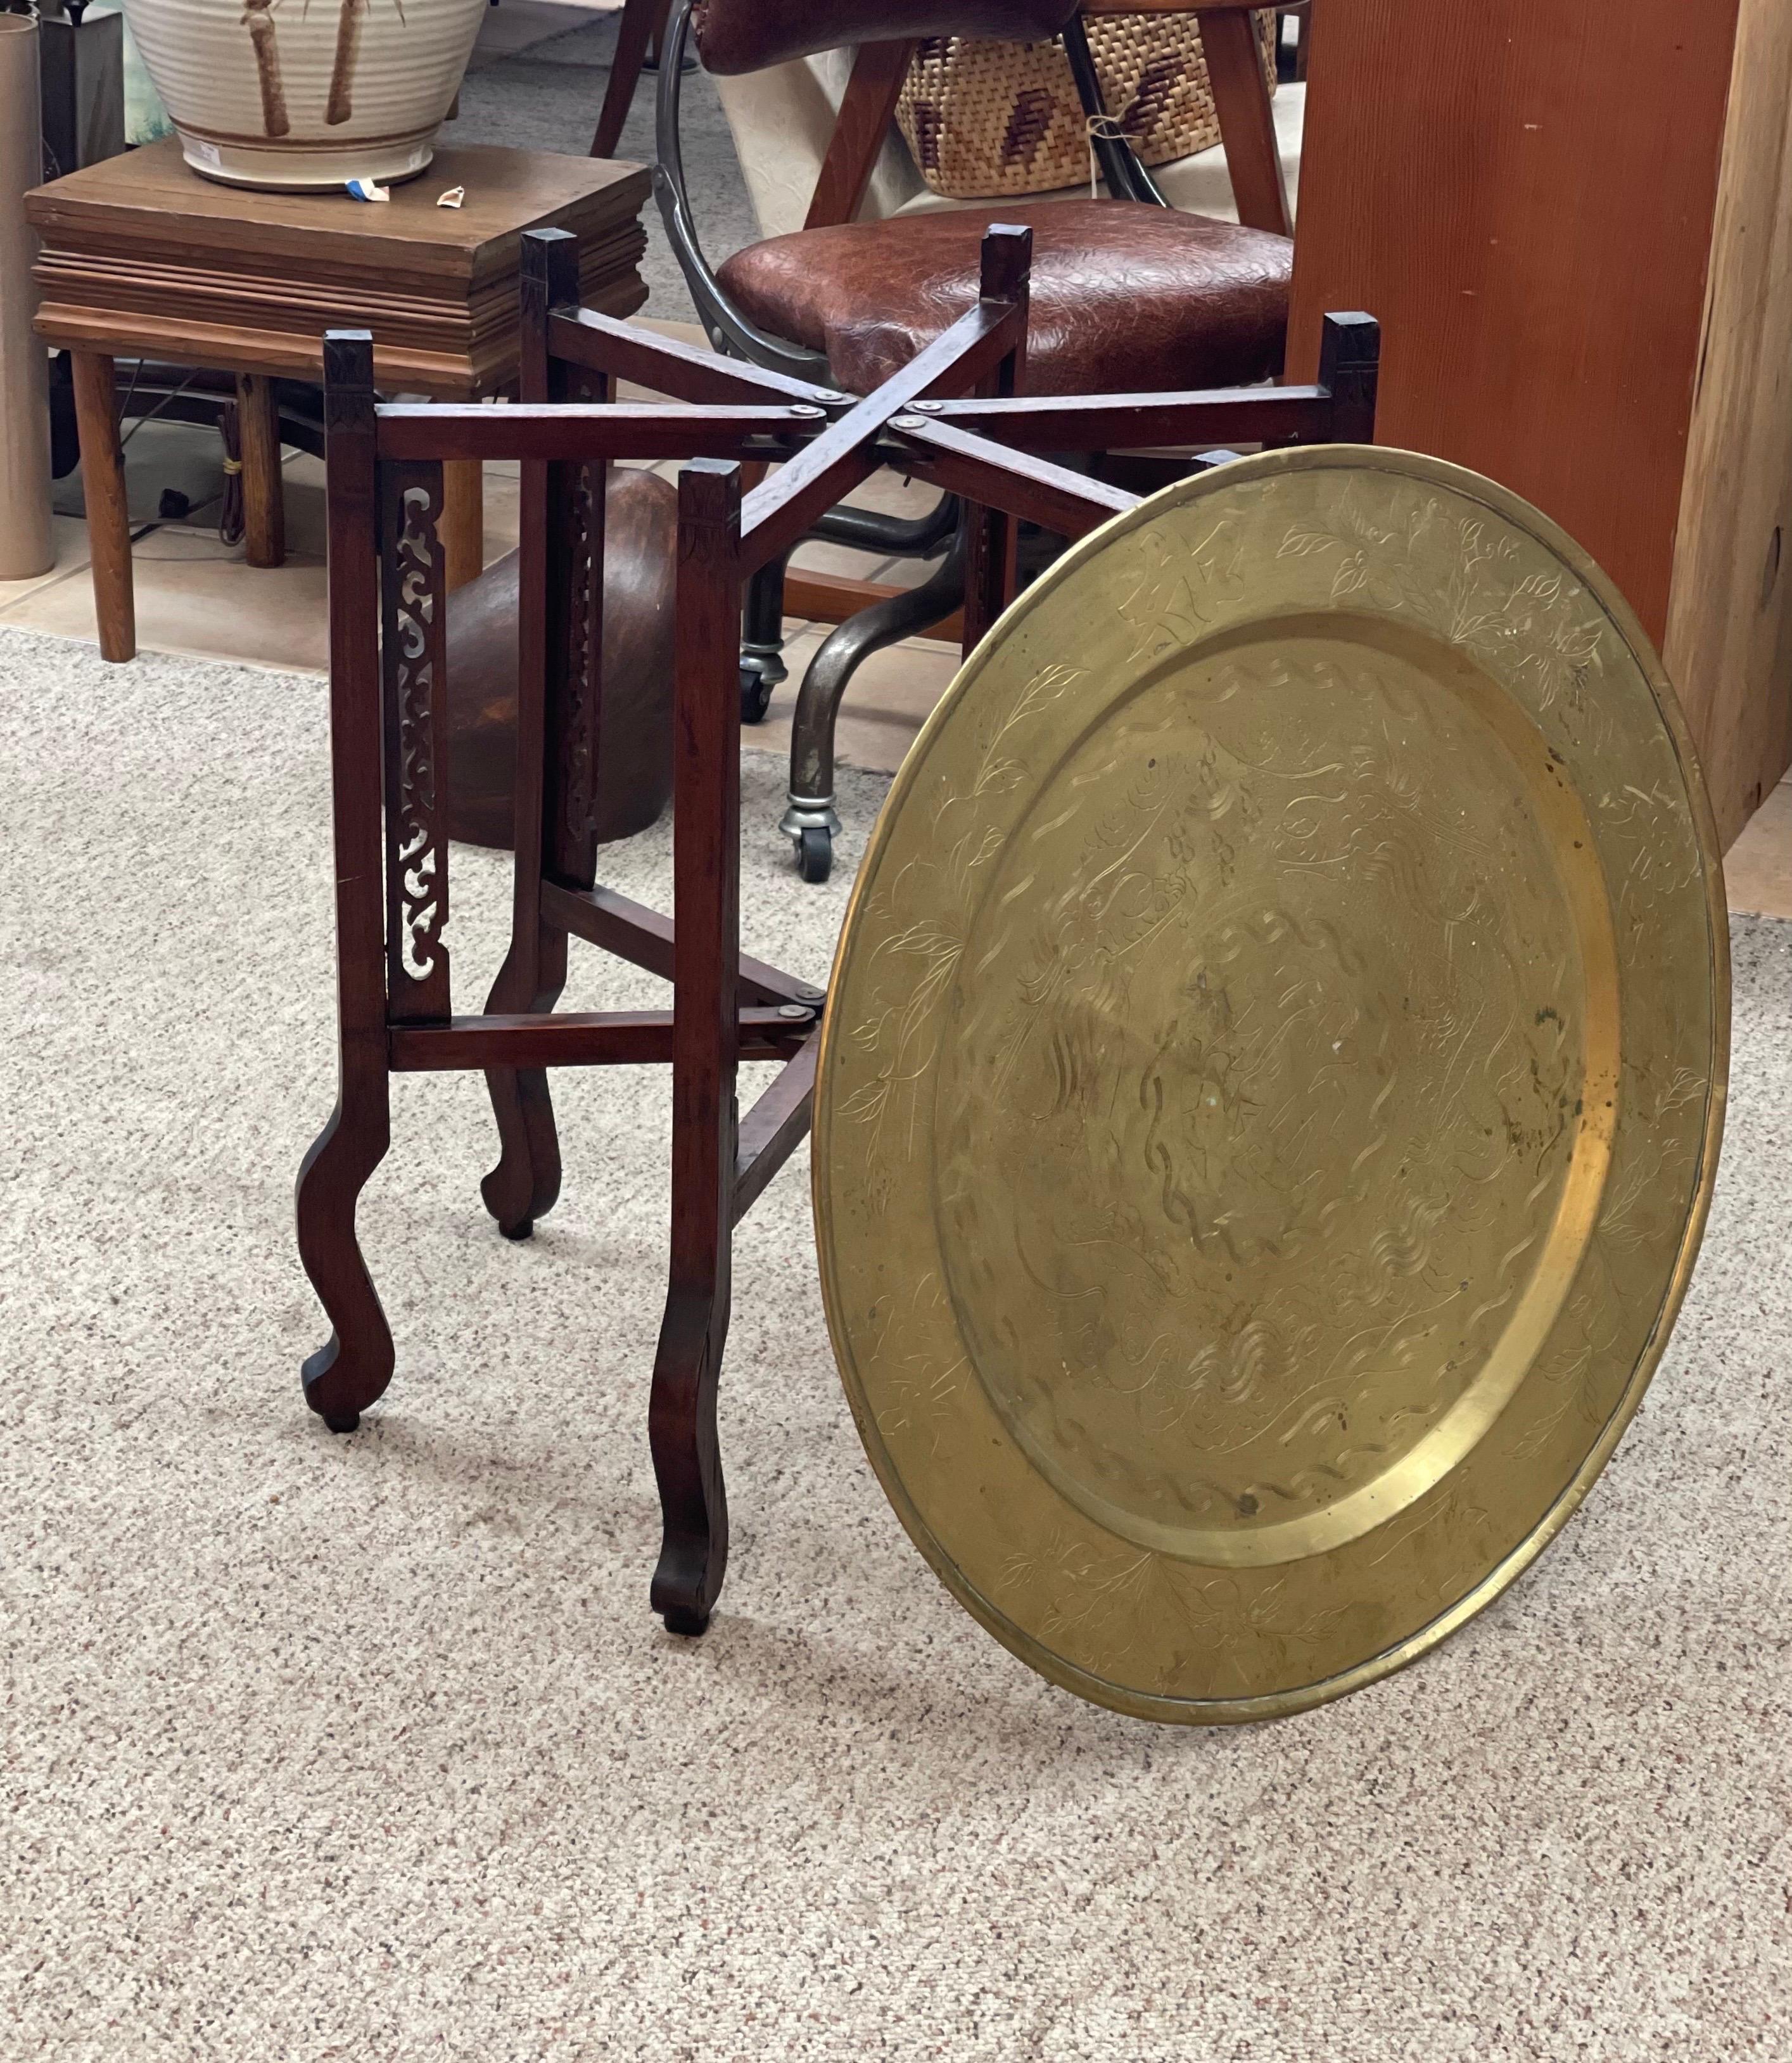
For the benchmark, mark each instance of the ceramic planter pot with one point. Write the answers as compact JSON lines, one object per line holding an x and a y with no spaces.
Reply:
{"x":305,"y":93}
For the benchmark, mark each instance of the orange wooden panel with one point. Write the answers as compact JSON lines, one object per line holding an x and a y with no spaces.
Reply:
{"x":1523,"y":191}
{"x":1729,"y":647}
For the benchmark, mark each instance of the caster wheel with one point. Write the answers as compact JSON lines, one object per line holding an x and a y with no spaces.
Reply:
{"x":525,"y":1230}
{"x":815,"y":853}
{"x":344,"y":1421}
{"x":756,"y":695}
{"x":691,"y":1625}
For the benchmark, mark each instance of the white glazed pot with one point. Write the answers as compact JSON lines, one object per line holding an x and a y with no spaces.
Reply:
{"x":305,"y":93}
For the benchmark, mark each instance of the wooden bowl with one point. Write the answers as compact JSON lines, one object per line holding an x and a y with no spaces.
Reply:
{"x":634,"y":754}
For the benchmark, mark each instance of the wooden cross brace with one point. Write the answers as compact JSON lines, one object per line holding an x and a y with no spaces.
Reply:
{"x":953,"y":416}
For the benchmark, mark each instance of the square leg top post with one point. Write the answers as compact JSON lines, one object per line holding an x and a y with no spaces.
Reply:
{"x":548,"y":280}
{"x":1349,"y":366}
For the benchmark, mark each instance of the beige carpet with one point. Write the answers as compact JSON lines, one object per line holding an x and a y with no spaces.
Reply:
{"x":371,"y":1749}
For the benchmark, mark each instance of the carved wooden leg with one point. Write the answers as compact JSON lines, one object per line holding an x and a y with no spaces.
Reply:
{"x":706,"y":861}
{"x":347,"y":1374}
{"x":687,"y":1456}
{"x":560,"y":560}
{"x":524,"y":1185}
{"x":353,"y":1368}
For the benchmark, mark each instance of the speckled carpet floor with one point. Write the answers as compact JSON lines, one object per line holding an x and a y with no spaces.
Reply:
{"x":369,"y":1748}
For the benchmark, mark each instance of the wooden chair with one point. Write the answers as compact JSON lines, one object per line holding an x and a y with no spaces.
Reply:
{"x":388,"y":717}
{"x":642,"y":28}
{"x":1128,"y":293}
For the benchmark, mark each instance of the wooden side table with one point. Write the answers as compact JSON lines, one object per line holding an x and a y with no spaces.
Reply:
{"x":142,"y":257}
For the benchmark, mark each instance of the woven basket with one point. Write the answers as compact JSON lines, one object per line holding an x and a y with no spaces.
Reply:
{"x":984,"y":117}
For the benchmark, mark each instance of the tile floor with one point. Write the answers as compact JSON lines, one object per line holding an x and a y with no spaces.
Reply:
{"x":1758,"y":869}
{"x":196,"y":595}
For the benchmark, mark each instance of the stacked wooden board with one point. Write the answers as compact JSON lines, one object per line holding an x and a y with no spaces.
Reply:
{"x":141,"y":251}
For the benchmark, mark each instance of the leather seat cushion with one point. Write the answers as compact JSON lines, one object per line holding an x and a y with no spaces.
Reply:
{"x":1126,"y":297}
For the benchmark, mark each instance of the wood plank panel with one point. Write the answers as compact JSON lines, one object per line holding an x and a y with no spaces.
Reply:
{"x":1523,"y":192}
{"x":1729,"y":624}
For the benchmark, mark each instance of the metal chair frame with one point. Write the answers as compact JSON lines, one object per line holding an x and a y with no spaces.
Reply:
{"x":811,"y":820}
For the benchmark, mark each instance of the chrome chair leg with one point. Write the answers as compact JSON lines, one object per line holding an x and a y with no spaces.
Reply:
{"x":811,"y":822}
{"x":762,"y":665}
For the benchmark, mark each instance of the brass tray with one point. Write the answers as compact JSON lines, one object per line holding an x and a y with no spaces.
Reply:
{"x":1273,"y":1083}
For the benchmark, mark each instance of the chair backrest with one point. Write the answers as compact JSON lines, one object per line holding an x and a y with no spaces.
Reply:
{"x":735,"y":36}
{"x":1234,"y":76}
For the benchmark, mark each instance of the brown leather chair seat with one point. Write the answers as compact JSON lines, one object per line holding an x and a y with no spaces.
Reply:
{"x":1125,"y":297}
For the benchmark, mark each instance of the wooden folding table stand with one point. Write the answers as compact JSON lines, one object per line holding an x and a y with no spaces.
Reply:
{"x":388,"y":709}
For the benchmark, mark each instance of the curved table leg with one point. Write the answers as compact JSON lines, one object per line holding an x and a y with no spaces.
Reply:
{"x":524,"y":1184}
{"x":706,"y":956}
{"x":687,"y":1453}
{"x":354,"y":1366}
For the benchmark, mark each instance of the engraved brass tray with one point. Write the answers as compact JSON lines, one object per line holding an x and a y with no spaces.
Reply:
{"x":1273,"y":1083}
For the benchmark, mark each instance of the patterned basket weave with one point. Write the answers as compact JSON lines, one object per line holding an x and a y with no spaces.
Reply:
{"x":984,"y":117}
